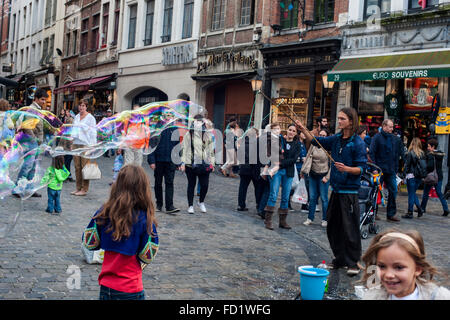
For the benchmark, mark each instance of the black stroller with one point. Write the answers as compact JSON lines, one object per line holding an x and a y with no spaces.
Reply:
{"x":368,"y":200}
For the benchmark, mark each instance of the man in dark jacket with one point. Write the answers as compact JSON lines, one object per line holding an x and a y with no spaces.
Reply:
{"x":385,"y":151}
{"x":160,"y":160}
{"x":249,"y":168}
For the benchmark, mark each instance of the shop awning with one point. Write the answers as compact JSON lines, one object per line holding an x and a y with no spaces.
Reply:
{"x":8,"y":82}
{"x":394,"y":66}
{"x":82,"y":85}
{"x":67,"y":86}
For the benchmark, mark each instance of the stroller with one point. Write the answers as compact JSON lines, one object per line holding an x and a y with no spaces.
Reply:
{"x":368,"y":200}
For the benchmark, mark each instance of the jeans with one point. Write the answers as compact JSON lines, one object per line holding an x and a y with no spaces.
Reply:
{"x":28,"y":168}
{"x":203,"y":180}
{"x":67,"y":162}
{"x":426,"y":191}
{"x":53,"y":202}
{"x":316,"y":188}
{"x":278,"y":179}
{"x":263,"y":194}
{"x":412,"y":185}
{"x":166,"y":171}
{"x":243,"y":187}
{"x":111,"y":294}
{"x":390,"y":179}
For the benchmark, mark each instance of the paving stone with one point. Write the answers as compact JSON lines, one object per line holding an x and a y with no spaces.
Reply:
{"x":223,"y":254}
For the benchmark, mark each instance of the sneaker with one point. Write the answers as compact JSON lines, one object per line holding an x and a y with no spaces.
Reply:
{"x":445,"y":213}
{"x":191,"y":210}
{"x":36,"y":195}
{"x":393,"y":219}
{"x":353,"y":271}
{"x":202,"y":207}
{"x":159,"y":208}
{"x":324,"y":223}
{"x":172,"y":210}
{"x":48,"y":211}
{"x":242,"y":209}
{"x":305,"y":208}
{"x":307,"y":222}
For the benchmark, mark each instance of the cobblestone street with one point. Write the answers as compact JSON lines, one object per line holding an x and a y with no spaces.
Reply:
{"x":221,"y":254}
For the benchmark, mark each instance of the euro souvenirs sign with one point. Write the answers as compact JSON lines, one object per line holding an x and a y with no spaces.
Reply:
{"x":386,"y":75}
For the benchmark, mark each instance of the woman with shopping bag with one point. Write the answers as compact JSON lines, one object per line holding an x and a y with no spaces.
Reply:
{"x":318,"y":169}
{"x":84,"y":134}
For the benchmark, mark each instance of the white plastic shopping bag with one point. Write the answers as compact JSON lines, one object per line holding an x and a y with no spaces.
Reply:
{"x":92,"y":256}
{"x":296,"y":180}
{"x":300,"y":194}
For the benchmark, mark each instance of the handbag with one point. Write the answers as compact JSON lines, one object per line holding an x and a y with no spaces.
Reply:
{"x":306,"y":167}
{"x":432,"y":177}
{"x":91,"y":171}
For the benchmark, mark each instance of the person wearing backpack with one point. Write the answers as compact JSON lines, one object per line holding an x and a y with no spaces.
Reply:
{"x":415,"y":170}
{"x":434,"y":163}
{"x":198,"y":160}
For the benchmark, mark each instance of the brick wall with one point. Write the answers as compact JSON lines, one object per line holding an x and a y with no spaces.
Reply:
{"x":272,"y":16}
{"x":5,"y":36}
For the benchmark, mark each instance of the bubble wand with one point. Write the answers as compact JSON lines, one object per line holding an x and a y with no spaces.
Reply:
{"x":314,"y":138}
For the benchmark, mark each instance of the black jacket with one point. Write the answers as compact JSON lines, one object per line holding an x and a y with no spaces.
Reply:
{"x":437,"y":156}
{"x":411,"y":163}
{"x":291,"y":151}
{"x":164,"y":147}
{"x":385,"y":151}
{"x":249,"y":161}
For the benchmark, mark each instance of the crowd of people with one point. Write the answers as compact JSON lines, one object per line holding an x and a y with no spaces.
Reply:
{"x":320,"y":158}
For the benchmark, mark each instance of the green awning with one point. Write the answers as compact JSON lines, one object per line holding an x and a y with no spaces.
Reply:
{"x":395,"y":66}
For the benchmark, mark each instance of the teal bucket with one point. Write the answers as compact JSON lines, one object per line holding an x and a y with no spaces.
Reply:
{"x":312,"y":282}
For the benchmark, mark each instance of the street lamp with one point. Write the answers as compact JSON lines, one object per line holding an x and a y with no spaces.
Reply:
{"x":327,"y":84}
{"x":256,"y":84}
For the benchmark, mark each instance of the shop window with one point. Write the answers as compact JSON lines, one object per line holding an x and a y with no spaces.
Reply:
{"x":247,"y":10}
{"x":323,"y":11}
{"x":427,"y":4}
{"x":372,"y":7}
{"x":289,"y":14}
{"x":167,"y":23}
{"x":419,"y":93}
{"x":371,"y":96}
{"x":294,"y":92}
{"x":218,"y":18}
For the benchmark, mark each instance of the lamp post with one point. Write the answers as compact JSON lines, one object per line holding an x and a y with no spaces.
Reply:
{"x":256,"y":85}
{"x":327,"y":84}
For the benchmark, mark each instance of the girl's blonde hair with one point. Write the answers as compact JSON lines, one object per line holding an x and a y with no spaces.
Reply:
{"x":416,"y":147}
{"x":417,"y":253}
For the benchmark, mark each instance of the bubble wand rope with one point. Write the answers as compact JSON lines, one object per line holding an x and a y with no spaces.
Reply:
{"x":282,"y":100}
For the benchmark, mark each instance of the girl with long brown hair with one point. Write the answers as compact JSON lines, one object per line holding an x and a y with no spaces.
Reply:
{"x":125,"y":227}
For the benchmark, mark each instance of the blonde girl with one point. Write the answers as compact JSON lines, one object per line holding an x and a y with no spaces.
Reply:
{"x":396,"y":268}
{"x":414,"y":176}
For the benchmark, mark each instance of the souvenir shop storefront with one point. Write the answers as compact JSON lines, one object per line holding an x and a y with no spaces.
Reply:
{"x":410,"y":88}
{"x":99,"y":91}
{"x":294,"y":79}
